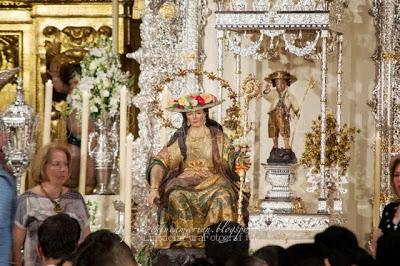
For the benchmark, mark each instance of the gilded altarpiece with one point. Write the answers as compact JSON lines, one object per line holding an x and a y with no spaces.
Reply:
{"x":38,"y":35}
{"x":35,"y":34}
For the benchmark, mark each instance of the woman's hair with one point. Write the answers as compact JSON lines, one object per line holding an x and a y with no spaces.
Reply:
{"x":393,"y":164}
{"x":181,"y":133}
{"x":43,"y":157}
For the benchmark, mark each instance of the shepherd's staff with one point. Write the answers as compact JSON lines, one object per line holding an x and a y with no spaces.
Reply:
{"x":250,"y":89}
{"x":312,"y":84}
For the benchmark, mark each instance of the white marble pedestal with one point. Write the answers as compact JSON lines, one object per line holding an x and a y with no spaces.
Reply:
{"x":280,"y":197}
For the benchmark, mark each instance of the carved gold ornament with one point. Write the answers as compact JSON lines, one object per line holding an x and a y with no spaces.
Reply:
{"x":251,"y":87}
{"x":389,"y":55}
{"x":167,"y":10}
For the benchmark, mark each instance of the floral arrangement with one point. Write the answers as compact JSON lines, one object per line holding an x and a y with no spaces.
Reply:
{"x":103,"y":79}
{"x":338,"y":144}
{"x":93,"y":207}
{"x":192,"y":102}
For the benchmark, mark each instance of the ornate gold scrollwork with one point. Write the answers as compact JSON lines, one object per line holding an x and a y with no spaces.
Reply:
{"x":9,"y":51}
{"x":71,"y":41}
{"x":10,"y":57}
{"x":389,"y":55}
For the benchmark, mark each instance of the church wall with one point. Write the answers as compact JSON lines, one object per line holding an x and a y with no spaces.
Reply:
{"x":358,"y":82}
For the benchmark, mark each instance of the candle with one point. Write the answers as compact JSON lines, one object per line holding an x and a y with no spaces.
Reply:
{"x":47,"y":111}
{"x":23,"y":183}
{"x":122,"y":139}
{"x":115,"y":14}
{"x":128,"y":190}
{"x":84,"y":141}
{"x":377,"y":182}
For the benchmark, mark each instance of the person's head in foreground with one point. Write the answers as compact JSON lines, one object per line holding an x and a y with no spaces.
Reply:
{"x":225,"y":240}
{"x":246,"y":261}
{"x":58,"y":238}
{"x":271,"y":254}
{"x":338,"y":244}
{"x":103,"y":248}
{"x":307,"y":254}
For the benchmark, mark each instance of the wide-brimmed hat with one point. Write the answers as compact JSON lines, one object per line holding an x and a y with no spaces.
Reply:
{"x":281,"y":74}
{"x":193,"y":102}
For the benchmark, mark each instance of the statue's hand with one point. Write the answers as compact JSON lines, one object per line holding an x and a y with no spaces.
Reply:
{"x":267,"y":88}
{"x":153,"y":198}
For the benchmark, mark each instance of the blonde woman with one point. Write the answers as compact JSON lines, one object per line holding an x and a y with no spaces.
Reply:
{"x":50,"y":170}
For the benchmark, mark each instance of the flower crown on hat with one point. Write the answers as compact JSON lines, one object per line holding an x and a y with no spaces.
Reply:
{"x":193,"y":102}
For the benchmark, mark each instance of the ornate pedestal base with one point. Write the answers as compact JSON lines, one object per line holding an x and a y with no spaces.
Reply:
{"x":279,"y":198}
{"x":285,"y":229}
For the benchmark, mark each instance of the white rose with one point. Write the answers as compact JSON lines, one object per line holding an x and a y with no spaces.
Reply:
{"x":97,"y":100}
{"x":93,"y":66}
{"x":95,"y":52}
{"x":107,"y":83}
{"x":105,"y":93}
{"x":93,"y":109}
{"x":101,"y":75}
{"x":113,"y":102}
{"x":85,"y":86}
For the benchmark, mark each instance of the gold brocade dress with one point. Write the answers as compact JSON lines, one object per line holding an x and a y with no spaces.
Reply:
{"x":198,"y":195}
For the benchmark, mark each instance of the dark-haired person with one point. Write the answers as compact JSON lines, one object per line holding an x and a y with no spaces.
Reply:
{"x":390,"y":221}
{"x":306,"y":254}
{"x":245,"y":261}
{"x":193,"y":177}
{"x":58,"y":238}
{"x":103,"y":248}
{"x":226,"y":240}
{"x":390,"y":218}
{"x":50,"y":171}
{"x":273,"y":255}
{"x":338,"y":244}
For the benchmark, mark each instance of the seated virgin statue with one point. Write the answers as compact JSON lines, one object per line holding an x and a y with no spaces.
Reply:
{"x":193,"y":179}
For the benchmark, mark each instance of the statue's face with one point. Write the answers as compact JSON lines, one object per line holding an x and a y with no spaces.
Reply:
{"x":280,"y":84}
{"x":196,"y":118}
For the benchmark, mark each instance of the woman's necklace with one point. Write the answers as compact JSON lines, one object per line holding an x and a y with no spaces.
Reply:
{"x":200,"y":136}
{"x":57,"y":204}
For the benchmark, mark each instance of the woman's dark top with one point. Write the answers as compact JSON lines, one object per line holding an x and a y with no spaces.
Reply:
{"x":386,"y":223}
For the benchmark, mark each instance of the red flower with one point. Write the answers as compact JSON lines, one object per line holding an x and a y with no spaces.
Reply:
{"x":200,"y":100}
